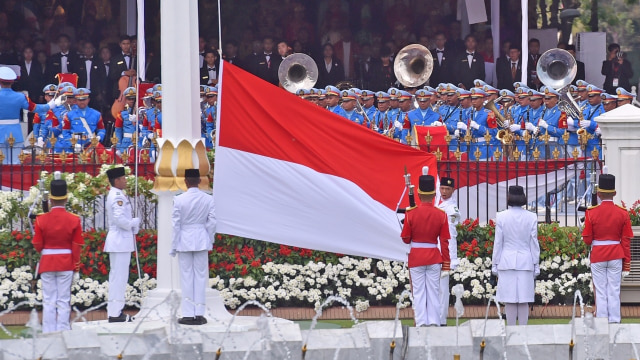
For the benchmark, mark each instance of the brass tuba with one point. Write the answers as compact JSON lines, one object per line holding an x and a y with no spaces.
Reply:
{"x":298,"y":71}
{"x":556,"y":69}
{"x":500,"y":119}
{"x":413,"y":65}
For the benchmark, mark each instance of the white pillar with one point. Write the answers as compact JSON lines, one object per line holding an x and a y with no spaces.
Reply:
{"x":180,"y":121}
{"x":128,"y":21}
{"x":621,"y":149}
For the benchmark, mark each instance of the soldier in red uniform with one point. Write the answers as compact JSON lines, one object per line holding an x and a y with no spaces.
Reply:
{"x":58,"y":237}
{"x":423,"y":227}
{"x":607,"y":228}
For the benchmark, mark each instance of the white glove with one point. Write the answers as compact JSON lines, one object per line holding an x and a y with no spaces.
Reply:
{"x":530,"y":127}
{"x":454,"y":264}
{"x":397,"y":124}
{"x":118,"y":153}
{"x":494,"y":270}
{"x":585,"y":123}
{"x":40,"y":142}
{"x":598,"y":131}
{"x":437,"y":123}
{"x":625,"y":274}
{"x":514,"y":127}
{"x":135,"y":223}
{"x":99,"y":138}
{"x":150,"y":136}
{"x":133,"y":118}
{"x":76,"y":277}
{"x":474,"y":125}
{"x":536,"y":269}
{"x":77,"y":148}
{"x":172,"y":253}
{"x":456,"y":133}
{"x":543,"y":124}
{"x":136,"y":230}
{"x":571,"y":122}
{"x":461,"y":126}
{"x":444,"y":274}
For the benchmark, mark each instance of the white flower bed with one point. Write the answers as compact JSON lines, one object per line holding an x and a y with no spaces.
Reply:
{"x":362,"y":283}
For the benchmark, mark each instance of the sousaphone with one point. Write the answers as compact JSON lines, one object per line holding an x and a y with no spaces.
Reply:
{"x":297,"y":71}
{"x":413,"y":65}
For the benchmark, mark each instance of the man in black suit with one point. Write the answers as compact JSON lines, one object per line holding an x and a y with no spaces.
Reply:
{"x":580,"y":73}
{"x":265,"y":65}
{"x":533,"y":81}
{"x":62,"y":62}
{"x":617,"y":70}
{"x":230,"y":54}
{"x":30,"y":76}
{"x":90,"y":74}
{"x":442,"y":61}
{"x":210,"y":70}
{"x":509,"y":70}
{"x":468,"y":66}
{"x":122,"y":64}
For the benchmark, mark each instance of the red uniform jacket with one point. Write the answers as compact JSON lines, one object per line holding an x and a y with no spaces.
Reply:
{"x":425,"y":224}
{"x":609,"y":221}
{"x":58,"y":229}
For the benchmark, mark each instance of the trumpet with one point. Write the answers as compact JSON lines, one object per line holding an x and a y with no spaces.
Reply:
{"x":500,"y":119}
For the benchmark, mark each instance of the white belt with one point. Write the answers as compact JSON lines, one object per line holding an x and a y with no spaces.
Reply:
{"x":423,"y":245}
{"x":605,"y":242}
{"x":55,"y":251}
{"x":481,"y":140}
{"x":9,"y":122}
{"x":193,"y":226}
{"x":128,"y":135}
{"x":81,"y":136}
{"x":553,"y":139}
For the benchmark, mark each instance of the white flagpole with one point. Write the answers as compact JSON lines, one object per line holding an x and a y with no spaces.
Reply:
{"x":525,"y":39}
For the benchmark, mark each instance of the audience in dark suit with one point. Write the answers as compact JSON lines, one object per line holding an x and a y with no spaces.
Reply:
{"x":509,"y":70}
{"x":330,"y":69}
{"x":469,"y":65}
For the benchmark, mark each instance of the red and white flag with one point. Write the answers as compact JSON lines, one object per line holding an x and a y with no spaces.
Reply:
{"x":290,"y":172}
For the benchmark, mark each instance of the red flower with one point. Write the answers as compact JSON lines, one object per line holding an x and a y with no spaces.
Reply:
{"x":255,"y":263}
{"x":244,"y":271}
{"x":285,"y":250}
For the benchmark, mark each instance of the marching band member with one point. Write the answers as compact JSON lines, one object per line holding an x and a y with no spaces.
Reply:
{"x":520,"y":118}
{"x":405,"y":104}
{"x":508,"y":98}
{"x":194,"y":225}
{"x":480,"y":122}
{"x":479,"y":83}
{"x":593,"y":110}
{"x":157,"y":125}
{"x":45,"y":123}
{"x":461,"y":119}
{"x":493,"y":94}
{"x":534,"y":114}
{"x":302,"y":93}
{"x":82,"y":123}
{"x":58,"y":237}
{"x":349,"y":99}
{"x":609,"y":102}
{"x":126,"y":122}
{"x":381,"y":117}
{"x":448,"y":204}
{"x":516,"y":256}
{"x":322,"y":98}
{"x":211,"y":95}
{"x":11,"y":105}
{"x":425,"y":228}
{"x":313,"y":96}
{"x":333,"y":101}
{"x":607,"y":229}
{"x":423,"y":115}
{"x":119,"y":242}
{"x":581,"y":87}
{"x":624,"y":96}
{"x":370,"y":111}
{"x":394,"y":111}
{"x":553,"y":122}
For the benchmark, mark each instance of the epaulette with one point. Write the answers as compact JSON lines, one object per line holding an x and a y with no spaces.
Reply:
{"x":440,"y":209}
{"x":622,"y":207}
{"x":593,"y":207}
{"x":410,"y":208}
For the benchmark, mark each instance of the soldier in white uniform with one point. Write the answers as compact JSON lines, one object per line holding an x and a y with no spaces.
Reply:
{"x":516,"y":257}
{"x":194,"y":225}
{"x":119,"y":243}
{"x":448,"y":204}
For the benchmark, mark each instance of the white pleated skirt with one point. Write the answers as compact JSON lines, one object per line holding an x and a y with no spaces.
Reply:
{"x":515,"y":286}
